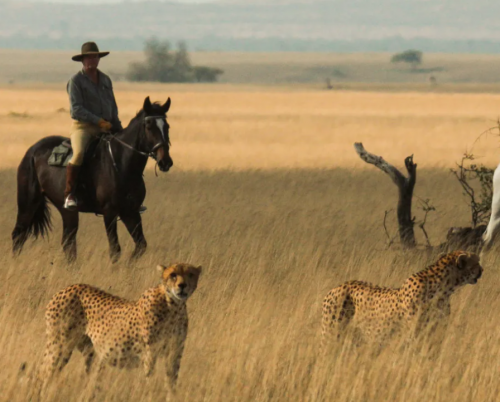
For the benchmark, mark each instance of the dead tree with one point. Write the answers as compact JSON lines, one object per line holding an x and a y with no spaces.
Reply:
{"x":405,"y":187}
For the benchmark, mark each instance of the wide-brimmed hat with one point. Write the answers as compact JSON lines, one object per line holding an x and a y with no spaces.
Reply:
{"x":87,"y":49}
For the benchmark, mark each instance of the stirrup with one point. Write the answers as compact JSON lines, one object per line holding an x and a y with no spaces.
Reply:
{"x":70,"y":203}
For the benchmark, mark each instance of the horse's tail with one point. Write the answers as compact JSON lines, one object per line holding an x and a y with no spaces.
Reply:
{"x":33,"y":214}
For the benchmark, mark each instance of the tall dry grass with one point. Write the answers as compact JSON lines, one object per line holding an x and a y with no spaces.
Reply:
{"x":272,"y":244}
{"x":268,"y":195}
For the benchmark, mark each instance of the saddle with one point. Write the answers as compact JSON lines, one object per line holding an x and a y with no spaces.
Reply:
{"x":62,"y":154}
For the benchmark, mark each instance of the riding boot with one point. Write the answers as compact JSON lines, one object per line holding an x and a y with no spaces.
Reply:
{"x":71,"y":180}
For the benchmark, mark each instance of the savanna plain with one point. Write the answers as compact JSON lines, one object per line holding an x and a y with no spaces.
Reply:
{"x":269,"y":196}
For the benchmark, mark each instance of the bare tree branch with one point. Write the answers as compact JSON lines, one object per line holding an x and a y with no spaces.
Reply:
{"x":389,"y":237}
{"x":379,"y":162}
{"x":426,"y":207}
{"x":405,"y":186}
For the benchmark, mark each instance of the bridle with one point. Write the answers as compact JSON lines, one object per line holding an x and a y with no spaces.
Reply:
{"x":151,"y":153}
{"x":164,"y":140}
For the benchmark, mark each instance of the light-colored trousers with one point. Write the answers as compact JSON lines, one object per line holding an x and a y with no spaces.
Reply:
{"x":81,"y":135}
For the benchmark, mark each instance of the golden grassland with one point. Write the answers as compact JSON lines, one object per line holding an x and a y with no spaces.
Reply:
{"x":272,"y":244}
{"x":242,"y":127}
{"x":268,"y":195}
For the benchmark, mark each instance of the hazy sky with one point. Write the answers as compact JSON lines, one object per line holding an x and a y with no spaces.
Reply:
{"x":108,"y":1}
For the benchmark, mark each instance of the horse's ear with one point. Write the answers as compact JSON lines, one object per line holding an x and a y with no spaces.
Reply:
{"x":166,"y":106}
{"x":147,"y":105}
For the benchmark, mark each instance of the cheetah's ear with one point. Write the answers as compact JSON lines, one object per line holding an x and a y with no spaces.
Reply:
{"x":161,"y":268}
{"x":198,"y":268}
{"x":462,"y":261}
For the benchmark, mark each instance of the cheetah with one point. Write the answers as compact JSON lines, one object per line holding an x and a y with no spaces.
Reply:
{"x":378,"y":312}
{"x":110,"y":330}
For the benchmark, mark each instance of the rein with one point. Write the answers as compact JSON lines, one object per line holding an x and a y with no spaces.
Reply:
{"x":149,"y":154}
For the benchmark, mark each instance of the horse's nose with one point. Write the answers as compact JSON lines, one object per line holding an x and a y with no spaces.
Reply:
{"x":165,"y":165}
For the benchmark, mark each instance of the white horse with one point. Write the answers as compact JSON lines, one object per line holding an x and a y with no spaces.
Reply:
{"x":493,"y":228}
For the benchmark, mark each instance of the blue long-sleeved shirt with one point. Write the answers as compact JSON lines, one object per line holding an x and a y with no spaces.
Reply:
{"x":89,"y":102}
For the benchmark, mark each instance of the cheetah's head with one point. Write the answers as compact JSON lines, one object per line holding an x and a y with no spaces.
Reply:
{"x":180,"y":280}
{"x":468,"y":269}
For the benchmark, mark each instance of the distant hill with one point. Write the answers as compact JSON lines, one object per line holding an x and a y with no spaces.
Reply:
{"x":334,"y":25}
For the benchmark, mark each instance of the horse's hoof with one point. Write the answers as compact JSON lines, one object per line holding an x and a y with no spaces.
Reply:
{"x":70,"y":258}
{"x":138,"y":253}
{"x":135,"y":257}
{"x":115,"y":257}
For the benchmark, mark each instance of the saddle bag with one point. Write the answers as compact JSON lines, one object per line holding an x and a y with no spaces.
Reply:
{"x":61,"y":155}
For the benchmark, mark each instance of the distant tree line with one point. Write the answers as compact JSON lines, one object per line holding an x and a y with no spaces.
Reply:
{"x":411,"y":57}
{"x":163,"y":64}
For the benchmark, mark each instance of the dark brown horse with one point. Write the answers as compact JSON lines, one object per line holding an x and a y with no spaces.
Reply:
{"x":111,"y":182}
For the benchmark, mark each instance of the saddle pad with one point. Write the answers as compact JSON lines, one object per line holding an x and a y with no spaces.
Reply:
{"x":60,"y":156}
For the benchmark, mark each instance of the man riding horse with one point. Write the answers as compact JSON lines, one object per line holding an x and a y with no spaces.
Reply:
{"x":112,"y":182}
{"x":93,"y":109}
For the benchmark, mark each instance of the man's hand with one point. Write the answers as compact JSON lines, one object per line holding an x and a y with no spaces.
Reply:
{"x":105,"y":125}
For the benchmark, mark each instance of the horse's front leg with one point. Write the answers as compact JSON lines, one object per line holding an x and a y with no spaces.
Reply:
{"x":110,"y":220}
{"x":133,"y":222}
{"x":70,"y":228}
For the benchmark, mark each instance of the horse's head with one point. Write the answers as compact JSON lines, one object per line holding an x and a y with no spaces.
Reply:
{"x":156,"y":133}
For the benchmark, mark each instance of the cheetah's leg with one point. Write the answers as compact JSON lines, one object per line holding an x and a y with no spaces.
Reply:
{"x":57,"y":354}
{"x":432,"y":330}
{"x":148,"y":360}
{"x":174,"y":362}
{"x":174,"y":349}
{"x":338,"y":311}
{"x":86,"y":347}
{"x":93,"y":387}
